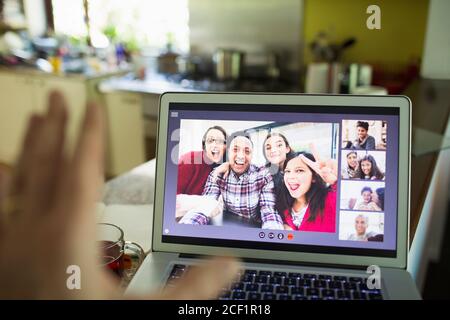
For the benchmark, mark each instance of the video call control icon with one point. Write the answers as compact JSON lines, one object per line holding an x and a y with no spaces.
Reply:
{"x":280,"y":236}
{"x":262,"y":235}
{"x":271,"y":235}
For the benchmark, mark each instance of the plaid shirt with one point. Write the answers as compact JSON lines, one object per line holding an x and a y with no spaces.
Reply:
{"x":248,"y":195}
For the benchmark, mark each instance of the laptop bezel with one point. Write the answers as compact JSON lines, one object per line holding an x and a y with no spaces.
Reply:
{"x":401,"y":102}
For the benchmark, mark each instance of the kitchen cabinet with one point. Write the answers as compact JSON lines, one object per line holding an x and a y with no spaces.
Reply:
{"x":25,"y":91}
{"x":125,"y":131}
{"x":16,"y":105}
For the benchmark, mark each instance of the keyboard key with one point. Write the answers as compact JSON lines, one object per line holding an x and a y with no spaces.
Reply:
{"x":298,"y":291}
{"x":247,"y":278}
{"x":238,"y":286}
{"x":355,"y":279}
{"x":275,"y":280}
{"x":280,"y":274}
{"x":282,"y":289}
{"x":304,"y":283}
{"x":328,"y":293}
{"x":339,"y":278}
{"x":309,"y":276}
{"x":283,"y":297}
{"x":265,"y":273}
{"x":314,"y":298}
{"x":299,"y":297}
{"x":350,"y":286}
{"x":325,"y":277}
{"x":295,"y":275}
{"x":254,"y":296}
{"x":312,"y":292}
{"x":335,"y":284}
{"x":320,"y":284}
{"x":252,"y":272}
{"x":261,"y":279}
{"x":290,"y":281}
{"x":344,"y":294}
{"x":252,"y":287}
{"x":269,"y":296}
{"x":267,"y":288}
{"x":238,"y":295}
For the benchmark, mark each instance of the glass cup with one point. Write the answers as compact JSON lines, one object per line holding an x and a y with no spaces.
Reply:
{"x":116,"y":252}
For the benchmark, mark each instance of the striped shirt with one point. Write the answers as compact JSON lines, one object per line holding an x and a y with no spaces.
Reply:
{"x":250,"y":195}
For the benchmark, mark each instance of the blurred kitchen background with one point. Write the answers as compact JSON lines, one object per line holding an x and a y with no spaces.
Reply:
{"x":124,"y":54}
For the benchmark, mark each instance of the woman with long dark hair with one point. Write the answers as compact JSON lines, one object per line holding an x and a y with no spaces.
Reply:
{"x":307,"y":199}
{"x":275,"y":149}
{"x":368,"y":169}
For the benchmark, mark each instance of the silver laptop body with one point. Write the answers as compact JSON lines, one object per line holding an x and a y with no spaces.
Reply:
{"x":345,"y":258}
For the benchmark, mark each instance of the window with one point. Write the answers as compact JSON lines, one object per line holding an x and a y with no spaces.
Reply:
{"x":148,"y":23}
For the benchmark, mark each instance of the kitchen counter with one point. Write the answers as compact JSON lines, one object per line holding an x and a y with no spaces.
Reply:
{"x":153,"y":85}
{"x":68,"y":75}
{"x":158,"y":84}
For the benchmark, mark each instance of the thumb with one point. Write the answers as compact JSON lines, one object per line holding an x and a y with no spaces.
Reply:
{"x":204,"y":281}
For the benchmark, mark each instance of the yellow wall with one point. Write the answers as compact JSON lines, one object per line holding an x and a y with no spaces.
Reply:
{"x":401,"y":38}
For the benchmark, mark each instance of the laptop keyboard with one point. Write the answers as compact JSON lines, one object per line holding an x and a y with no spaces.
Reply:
{"x":252,"y":284}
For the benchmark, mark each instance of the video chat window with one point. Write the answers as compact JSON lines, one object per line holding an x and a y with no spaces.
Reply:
{"x":258,"y":174}
{"x":363,"y":165}
{"x":361,"y":226}
{"x":364,"y":134}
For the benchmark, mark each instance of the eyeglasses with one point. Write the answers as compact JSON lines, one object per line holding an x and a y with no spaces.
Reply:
{"x":216,"y":141}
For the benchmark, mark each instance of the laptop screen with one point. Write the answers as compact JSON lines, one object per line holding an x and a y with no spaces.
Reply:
{"x":319,"y":179}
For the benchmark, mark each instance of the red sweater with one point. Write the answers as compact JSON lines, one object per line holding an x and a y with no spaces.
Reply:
{"x":192,"y":173}
{"x":326,"y":223}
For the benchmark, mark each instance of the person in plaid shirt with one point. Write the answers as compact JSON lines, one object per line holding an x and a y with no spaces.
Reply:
{"x":247,"y":191}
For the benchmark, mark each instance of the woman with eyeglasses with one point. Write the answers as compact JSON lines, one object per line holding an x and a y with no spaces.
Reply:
{"x":195,"y":166}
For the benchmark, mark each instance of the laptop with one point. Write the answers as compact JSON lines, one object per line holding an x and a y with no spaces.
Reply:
{"x":311,"y":192}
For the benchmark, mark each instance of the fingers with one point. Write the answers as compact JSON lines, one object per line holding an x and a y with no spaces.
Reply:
{"x":314,"y":152}
{"x":204,"y":282}
{"x":86,"y":167}
{"x":46,"y":155}
{"x":25,"y":159}
{"x":21,"y":174}
{"x":332,"y":164}
{"x":313,"y":165}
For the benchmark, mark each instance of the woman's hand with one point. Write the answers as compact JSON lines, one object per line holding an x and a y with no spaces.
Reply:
{"x":327,"y":170}
{"x":48,"y":221}
{"x":222,"y":170}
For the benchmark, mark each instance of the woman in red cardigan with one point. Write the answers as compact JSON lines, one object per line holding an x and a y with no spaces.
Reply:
{"x":307,"y":199}
{"x":195,"y":166}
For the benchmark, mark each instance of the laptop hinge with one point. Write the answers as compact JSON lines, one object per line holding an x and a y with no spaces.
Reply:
{"x":282,"y":262}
